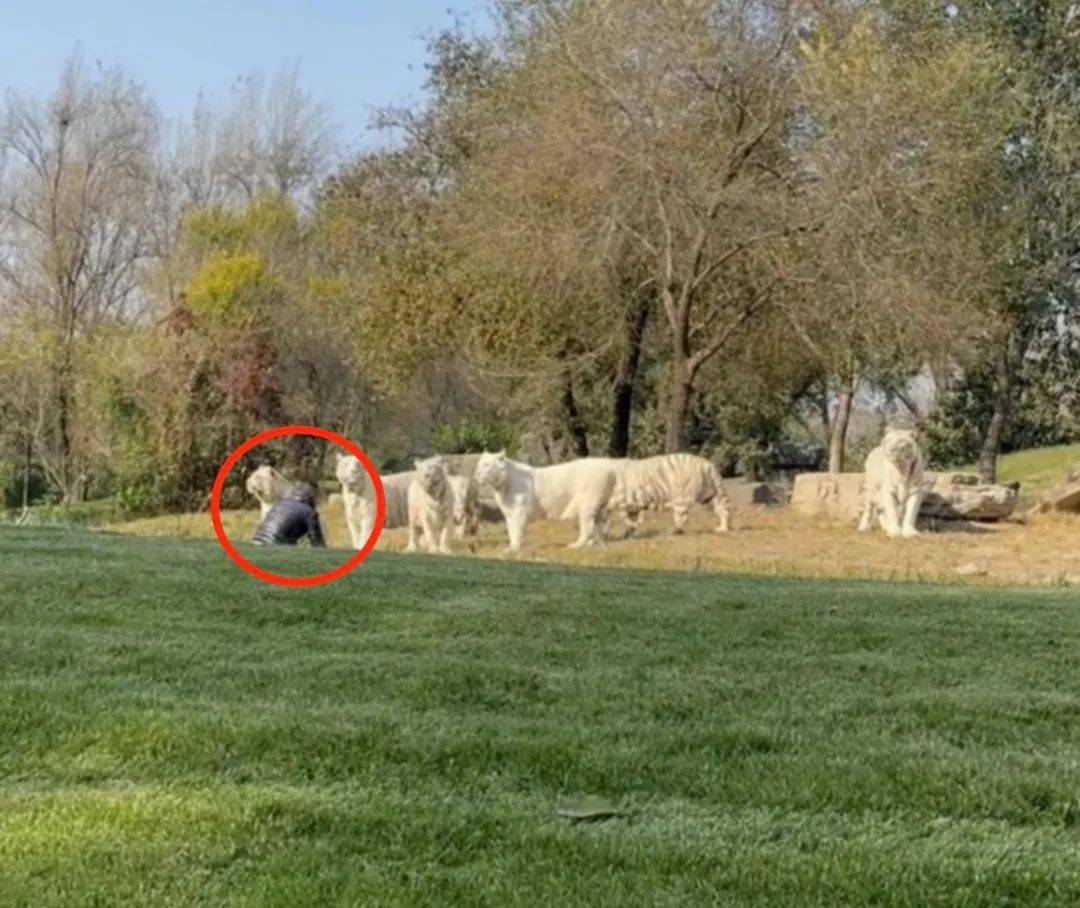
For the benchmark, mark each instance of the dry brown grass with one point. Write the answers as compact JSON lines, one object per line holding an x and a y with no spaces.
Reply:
{"x":765,"y":541}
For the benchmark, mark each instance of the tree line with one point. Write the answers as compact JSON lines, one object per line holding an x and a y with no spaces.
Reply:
{"x":616,"y":228}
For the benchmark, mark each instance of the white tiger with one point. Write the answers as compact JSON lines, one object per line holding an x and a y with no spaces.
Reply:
{"x":396,"y":487}
{"x":466,"y":513}
{"x":431,"y":507}
{"x":268,"y":486}
{"x":396,"y":490}
{"x":675,"y":481}
{"x":894,"y":486}
{"x":578,"y":490}
{"x":358,"y":497}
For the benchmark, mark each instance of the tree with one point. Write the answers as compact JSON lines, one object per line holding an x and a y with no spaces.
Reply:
{"x":901,"y":168}
{"x":258,"y":323}
{"x":274,"y":139}
{"x":1045,"y":153}
{"x":400,"y":287}
{"x":694,"y":100}
{"x":1037,"y":293}
{"x":72,"y":220}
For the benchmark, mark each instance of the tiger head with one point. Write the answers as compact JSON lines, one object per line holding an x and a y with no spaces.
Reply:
{"x":350,"y":473}
{"x":901,"y":449}
{"x":266,"y":484}
{"x":493,"y":470}
{"x":431,"y":474}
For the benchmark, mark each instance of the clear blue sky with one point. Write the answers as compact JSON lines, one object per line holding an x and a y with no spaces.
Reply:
{"x":354,"y":55}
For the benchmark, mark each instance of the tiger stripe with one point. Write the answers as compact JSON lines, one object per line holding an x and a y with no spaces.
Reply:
{"x":675,"y":481}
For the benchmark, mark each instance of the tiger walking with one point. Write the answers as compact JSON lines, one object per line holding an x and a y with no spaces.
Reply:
{"x":675,"y":481}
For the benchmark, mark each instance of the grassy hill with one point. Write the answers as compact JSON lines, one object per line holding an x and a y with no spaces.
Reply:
{"x":172,"y":733}
{"x":1038,"y":469}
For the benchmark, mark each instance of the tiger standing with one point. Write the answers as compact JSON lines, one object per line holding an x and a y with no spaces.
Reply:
{"x":675,"y":481}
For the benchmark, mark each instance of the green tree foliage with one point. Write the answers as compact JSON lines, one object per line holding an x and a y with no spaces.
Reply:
{"x":1035,"y":310}
{"x":904,"y":134}
{"x":230,"y":288}
{"x":609,"y":228}
{"x":470,"y":436}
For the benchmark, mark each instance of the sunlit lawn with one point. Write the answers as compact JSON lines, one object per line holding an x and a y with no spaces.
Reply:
{"x":174,"y":733}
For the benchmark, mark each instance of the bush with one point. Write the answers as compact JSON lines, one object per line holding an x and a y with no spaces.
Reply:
{"x":83,"y":513}
{"x":473,"y":436}
{"x":138,"y":497}
{"x":11,"y":484}
{"x":402,"y":464}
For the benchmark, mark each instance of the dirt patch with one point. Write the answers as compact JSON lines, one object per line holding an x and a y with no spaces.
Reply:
{"x":765,"y":541}
{"x":782,"y":542}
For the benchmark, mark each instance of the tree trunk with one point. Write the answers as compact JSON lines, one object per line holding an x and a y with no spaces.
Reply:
{"x":821,"y":401}
{"x":838,"y":431}
{"x":27,"y":466}
{"x":574,"y":423}
{"x":682,"y":393}
{"x":995,"y":430}
{"x":625,"y":381}
{"x":63,"y":427}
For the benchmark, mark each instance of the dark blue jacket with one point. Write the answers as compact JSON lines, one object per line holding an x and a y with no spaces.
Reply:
{"x":288,"y":521}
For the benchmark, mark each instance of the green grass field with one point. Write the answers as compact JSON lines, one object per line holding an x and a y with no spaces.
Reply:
{"x":1039,"y":469}
{"x":174,"y":733}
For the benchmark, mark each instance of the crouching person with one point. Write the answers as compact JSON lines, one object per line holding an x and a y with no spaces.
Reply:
{"x":290,"y":519}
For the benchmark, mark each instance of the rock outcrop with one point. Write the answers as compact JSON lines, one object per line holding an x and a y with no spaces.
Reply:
{"x":1065,"y":496}
{"x":963,"y":496}
{"x":834,"y":495}
{"x":745,"y":493}
{"x":950,"y":496}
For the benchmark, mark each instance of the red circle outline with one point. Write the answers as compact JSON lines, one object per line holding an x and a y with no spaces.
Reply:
{"x":282,"y":579}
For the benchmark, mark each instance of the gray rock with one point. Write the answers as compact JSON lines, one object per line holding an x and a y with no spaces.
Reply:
{"x":950,"y":496}
{"x":744,"y":493}
{"x":835,"y":495}
{"x":1065,"y":496}
{"x":963,"y":496}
